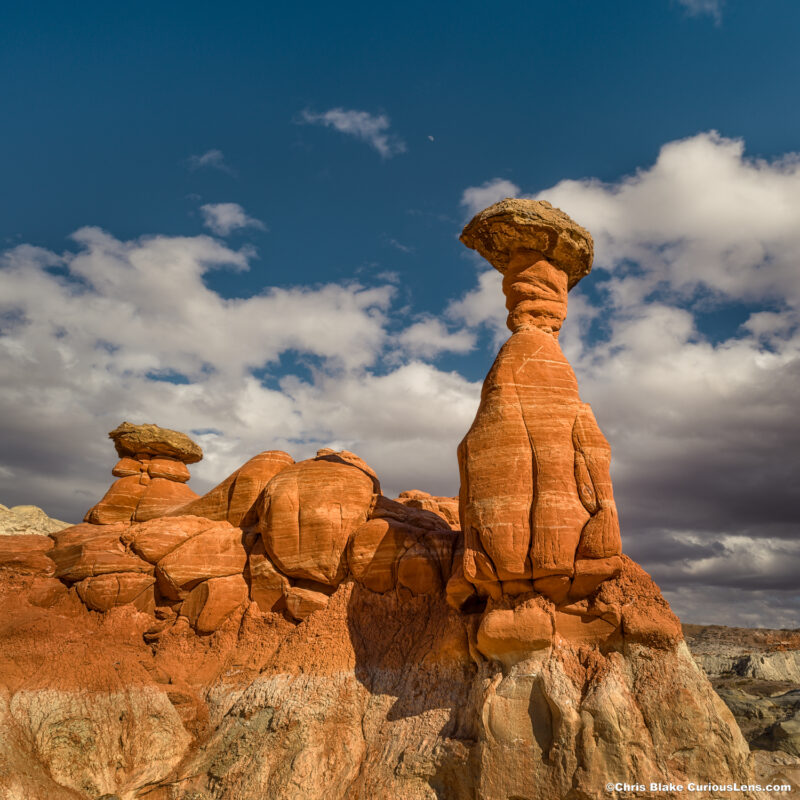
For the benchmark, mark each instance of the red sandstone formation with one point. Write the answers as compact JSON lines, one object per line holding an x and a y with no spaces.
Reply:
{"x":235,"y":497}
{"x":151,"y":474}
{"x":295,"y":633}
{"x":537,"y":507}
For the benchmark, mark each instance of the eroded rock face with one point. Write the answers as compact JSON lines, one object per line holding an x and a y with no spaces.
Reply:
{"x":363,"y":695}
{"x":536,"y":499}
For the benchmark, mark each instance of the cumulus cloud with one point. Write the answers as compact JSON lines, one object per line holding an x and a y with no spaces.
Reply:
{"x":224,"y":218}
{"x":701,"y":415}
{"x":483,"y":305}
{"x":370,"y":128}
{"x":213,"y":159}
{"x":112,"y":330}
{"x":476,"y":198}
{"x":430,"y":337}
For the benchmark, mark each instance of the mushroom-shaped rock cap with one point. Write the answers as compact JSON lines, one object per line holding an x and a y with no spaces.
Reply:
{"x":133,"y":440}
{"x":512,"y":224}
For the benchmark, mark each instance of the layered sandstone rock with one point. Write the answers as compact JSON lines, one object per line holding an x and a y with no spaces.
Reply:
{"x":151,"y":474}
{"x":234,"y":499}
{"x":309,"y":510}
{"x":28,"y":552}
{"x":536,"y":499}
{"x":444,"y":507}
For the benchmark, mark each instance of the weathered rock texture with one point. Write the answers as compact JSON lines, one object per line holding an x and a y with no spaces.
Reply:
{"x":151,"y":474}
{"x":233,"y":500}
{"x":296,"y":634}
{"x":536,"y":498}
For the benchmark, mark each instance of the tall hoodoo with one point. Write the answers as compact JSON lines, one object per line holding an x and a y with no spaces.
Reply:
{"x":536,"y":501}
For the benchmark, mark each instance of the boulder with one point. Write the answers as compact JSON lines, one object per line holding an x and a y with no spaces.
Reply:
{"x":346,"y":457}
{"x":155,"y":539}
{"x":161,"y":496}
{"x":151,"y":440}
{"x":27,"y":553}
{"x":301,"y":603}
{"x":104,"y":592}
{"x":211,"y":602}
{"x":75,"y":534}
{"x":94,"y":553}
{"x":127,"y":467}
{"x":268,"y":587}
{"x":169,"y":468}
{"x":408,"y":514}
{"x":375,"y":551}
{"x":307,"y":513}
{"x":513,"y":225}
{"x":216,"y":552}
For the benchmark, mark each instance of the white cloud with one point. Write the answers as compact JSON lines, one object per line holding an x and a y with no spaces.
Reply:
{"x":698,"y":7}
{"x":430,"y":337}
{"x":223,"y":218}
{"x":483,"y":305}
{"x":369,"y":128}
{"x":476,"y":198}
{"x":213,"y":159}
{"x":703,"y":217}
{"x":129,"y":330}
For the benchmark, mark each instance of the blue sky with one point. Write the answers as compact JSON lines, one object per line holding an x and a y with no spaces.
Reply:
{"x":268,"y":199}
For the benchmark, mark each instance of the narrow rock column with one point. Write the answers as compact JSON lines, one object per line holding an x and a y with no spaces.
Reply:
{"x":536,"y":502}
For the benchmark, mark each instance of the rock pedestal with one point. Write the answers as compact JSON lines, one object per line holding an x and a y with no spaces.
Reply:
{"x":536,"y":502}
{"x":151,"y":472}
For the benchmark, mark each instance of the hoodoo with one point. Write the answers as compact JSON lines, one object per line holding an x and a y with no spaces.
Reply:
{"x":295,"y":633}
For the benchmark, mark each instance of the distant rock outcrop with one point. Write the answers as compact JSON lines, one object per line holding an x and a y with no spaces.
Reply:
{"x":757,"y":674}
{"x":28,"y":520}
{"x":295,"y":633}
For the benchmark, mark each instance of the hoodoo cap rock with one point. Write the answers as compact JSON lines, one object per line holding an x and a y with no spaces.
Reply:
{"x":513,"y":224}
{"x":133,"y":440}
